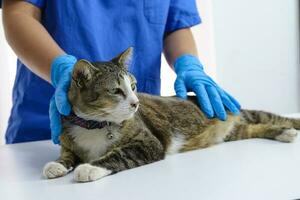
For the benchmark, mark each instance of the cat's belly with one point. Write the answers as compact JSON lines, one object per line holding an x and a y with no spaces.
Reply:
{"x":186,"y":140}
{"x":93,"y":143}
{"x":177,"y":142}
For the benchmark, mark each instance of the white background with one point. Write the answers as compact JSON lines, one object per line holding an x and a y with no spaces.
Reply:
{"x":7,"y":75}
{"x":257,"y":51}
{"x":250,"y":46}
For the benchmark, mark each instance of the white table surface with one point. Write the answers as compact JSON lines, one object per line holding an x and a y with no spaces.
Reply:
{"x":251,"y":169}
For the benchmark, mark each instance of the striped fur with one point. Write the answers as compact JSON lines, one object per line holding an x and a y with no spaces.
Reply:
{"x":160,"y":125}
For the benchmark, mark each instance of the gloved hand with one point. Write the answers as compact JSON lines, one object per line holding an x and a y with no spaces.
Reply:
{"x":61,"y":72}
{"x":211,"y":98}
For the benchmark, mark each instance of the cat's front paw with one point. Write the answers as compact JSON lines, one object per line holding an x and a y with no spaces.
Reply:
{"x":87,"y":172}
{"x":54,"y":170}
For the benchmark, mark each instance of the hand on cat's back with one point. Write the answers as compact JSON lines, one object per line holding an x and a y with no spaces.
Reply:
{"x":212,"y":99}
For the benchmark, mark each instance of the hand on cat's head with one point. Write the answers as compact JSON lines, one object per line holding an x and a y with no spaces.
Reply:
{"x":104,"y":91}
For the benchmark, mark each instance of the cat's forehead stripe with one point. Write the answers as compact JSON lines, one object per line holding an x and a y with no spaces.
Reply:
{"x":126,"y":84}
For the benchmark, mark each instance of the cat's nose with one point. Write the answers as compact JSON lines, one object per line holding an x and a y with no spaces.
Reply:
{"x":135,"y":104}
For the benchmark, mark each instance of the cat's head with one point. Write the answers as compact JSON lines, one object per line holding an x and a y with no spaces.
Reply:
{"x":104,"y":91}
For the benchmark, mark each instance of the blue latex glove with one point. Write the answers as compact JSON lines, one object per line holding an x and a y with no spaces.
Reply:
{"x":61,"y":72}
{"x":211,"y":98}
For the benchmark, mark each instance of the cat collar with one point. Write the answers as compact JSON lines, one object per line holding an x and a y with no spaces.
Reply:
{"x":87,"y":124}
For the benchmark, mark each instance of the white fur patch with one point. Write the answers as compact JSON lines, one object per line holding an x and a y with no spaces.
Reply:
{"x":87,"y":172}
{"x":177,"y":142}
{"x":288,"y":135}
{"x":94,"y":141}
{"x":54,"y":170}
{"x":126,"y":85}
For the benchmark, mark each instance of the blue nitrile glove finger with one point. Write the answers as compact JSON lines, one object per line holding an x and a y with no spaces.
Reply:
{"x":55,"y":121}
{"x":190,"y":71}
{"x":228,"y":103}
{"x":61,"y":98}
{"x":61,"y":72}
{"x":216,"y":102}
{"x":203,"y":100}
{"x":180,"y":88}
{"x":233,"y":100}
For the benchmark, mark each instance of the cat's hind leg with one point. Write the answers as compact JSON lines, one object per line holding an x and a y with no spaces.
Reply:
{"x":267,"y":131}
{"x":288,"y":135}
{"x":61,"y":166}
{"x":262,"y":117}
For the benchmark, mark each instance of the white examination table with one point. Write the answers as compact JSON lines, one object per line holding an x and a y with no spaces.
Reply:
{"x":250,"y":169}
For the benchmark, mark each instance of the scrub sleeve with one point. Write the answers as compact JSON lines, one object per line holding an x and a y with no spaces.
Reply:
{"x":182,"y":14}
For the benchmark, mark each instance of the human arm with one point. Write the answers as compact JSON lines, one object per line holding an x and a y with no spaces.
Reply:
{"x":41,"y":54}
{"x":181,"y":53}
{"x":178,"y":43}
{"x":28,"y":38}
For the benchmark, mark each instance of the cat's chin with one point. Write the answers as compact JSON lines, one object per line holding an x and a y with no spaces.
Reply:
{"x":109,"y":117}
{"x":119,"y":119}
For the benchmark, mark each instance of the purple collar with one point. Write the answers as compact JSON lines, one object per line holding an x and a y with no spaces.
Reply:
{"x":87,"y":124}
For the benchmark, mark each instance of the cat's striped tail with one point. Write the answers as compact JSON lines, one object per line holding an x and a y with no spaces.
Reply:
{"x":256,"y":117}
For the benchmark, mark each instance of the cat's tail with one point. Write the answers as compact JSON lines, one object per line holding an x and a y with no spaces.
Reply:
{"x":256,"y":117}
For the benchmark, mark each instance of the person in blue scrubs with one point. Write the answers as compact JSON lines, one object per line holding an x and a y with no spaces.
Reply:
{"x":49,"y":36}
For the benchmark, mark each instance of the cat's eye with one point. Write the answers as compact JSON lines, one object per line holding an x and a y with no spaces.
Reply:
{"x":116,"y":91}
{"x":133,"y":87}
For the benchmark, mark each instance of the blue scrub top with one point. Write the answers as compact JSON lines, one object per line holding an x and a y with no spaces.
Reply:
{"x":97,"y":31}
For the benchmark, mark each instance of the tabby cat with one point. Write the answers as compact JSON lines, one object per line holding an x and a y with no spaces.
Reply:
{"x":113,"y":128}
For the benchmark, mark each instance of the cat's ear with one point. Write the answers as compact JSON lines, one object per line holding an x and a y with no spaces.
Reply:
{"x":125,"y":58}
{"x":83,"y":72}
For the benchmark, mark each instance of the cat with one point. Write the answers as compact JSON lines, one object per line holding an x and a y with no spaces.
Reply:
{"x":113,"y":128}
